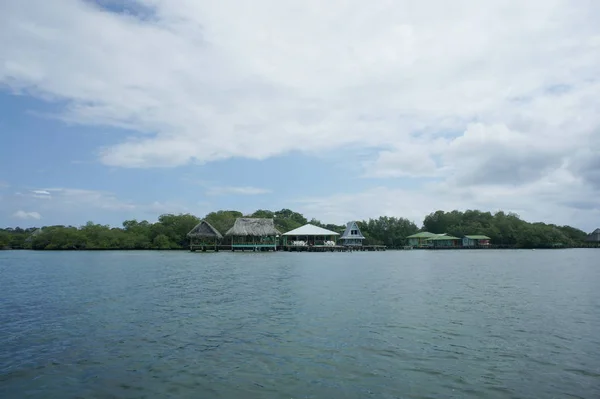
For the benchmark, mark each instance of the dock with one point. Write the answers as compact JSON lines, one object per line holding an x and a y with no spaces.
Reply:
{"x":333,"y":248}
{"x":260,"y":235}
{"x":315,"y":248}
{"x":288,"y":248}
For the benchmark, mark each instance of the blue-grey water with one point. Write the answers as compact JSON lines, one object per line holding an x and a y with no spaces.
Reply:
{"x":405,"y":324}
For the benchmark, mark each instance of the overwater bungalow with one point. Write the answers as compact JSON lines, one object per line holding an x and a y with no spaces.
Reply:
{"x":254,"y":234}
{"x":474,"y":241}
{"x":204,"y":236}
{"x":443,"y":241}
{"x":419,"y":240}
{"x":352,"y":236}
{"x":310,"y":235}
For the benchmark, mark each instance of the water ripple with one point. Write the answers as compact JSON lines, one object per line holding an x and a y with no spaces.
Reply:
{"x":410,"y":324}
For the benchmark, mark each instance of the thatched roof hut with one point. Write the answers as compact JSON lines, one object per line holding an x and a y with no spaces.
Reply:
{"x":253,"y":227}
{"x":204,"y":230}
{"x":594,"y":236}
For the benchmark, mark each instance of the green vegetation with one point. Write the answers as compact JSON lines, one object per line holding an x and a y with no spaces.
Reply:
{"x":169,"y":232}
{"x":505,"y":230}
{"x":15,"y":238}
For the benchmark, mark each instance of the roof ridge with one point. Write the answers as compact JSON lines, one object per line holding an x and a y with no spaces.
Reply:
{"x":317,"y":230}
{"x":348,"y":230}
{"x":244,"y":226}
{"x":212,"y":231}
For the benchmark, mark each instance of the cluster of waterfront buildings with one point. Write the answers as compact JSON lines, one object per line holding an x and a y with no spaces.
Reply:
{"x":426,"y":239}
{"x":261,"y":234}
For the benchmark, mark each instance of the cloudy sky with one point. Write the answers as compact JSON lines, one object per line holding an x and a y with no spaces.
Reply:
{"x":120,"y":109}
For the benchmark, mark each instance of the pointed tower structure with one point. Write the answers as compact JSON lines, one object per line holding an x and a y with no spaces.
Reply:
{"x":352,"y":236}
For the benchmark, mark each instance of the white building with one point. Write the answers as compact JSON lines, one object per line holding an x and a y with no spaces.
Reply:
{"x":310,"y":235}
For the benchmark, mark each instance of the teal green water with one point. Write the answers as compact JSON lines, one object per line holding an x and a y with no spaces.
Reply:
{"x":406,"y":324}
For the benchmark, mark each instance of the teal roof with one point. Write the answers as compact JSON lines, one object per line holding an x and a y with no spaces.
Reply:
{"x":442,"y":237}
{"x":478,"y":237}
{"x":423,"y":234}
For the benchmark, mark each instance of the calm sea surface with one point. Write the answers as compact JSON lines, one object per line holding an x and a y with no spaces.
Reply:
{"x":406,"y":324}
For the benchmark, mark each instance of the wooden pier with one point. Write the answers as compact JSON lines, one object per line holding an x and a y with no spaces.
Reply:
{"x":373,"y":248}
{"x":287,"y":248}
{"x":332,"y":248}
{"x":205,"y":248}
{"x":315,"y":248}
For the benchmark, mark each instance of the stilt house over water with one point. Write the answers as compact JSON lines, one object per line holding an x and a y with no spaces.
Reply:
{"x":352,"y":236}
{"x":443,"y":241}
{"x":310,"y":235}
{"x":204,"y":236}
{"x":473,"y":241}
{"x":254,"y":234}
{"x":419,"y":240}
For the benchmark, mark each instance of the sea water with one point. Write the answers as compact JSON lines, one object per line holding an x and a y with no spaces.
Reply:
{"x":395,"y":324}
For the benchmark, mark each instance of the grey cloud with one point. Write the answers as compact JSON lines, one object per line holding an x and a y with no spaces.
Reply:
{"x":509,"y":167}
{"x":587,"y":166}
{"x":584,"y":204}
{"x":128,"y":8}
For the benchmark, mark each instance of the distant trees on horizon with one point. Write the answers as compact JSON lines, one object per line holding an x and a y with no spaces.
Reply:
{"x":169,"y":232}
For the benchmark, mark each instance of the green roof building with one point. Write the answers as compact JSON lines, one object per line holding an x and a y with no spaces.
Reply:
{"x":474,"y":241}
{"x":419,"y":240}
{"x":443,"y":241}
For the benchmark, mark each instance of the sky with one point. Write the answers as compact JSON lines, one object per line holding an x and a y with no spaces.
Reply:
{"x":341,"y":110}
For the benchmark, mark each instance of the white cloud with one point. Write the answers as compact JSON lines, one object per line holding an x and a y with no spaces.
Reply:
{"x":75,"y":197}
{"x":159,"y":208}
{"x":27,"y":215}
{"x":3,"y":185}
{"x":412,"y":159}
{"x":237,"y":191}
{"x":41,"y":194}
{"x":203,"y":83}
{"x":77,"y":206}
{"x":497,"y":154}
{"x":558,"y":198}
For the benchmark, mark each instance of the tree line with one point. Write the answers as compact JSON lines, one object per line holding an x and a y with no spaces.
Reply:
{"x":169,"y":232}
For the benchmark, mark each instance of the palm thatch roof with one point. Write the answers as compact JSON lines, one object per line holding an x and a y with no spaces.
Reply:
{"x":204,"y":229}
{"x":256,"y":227}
